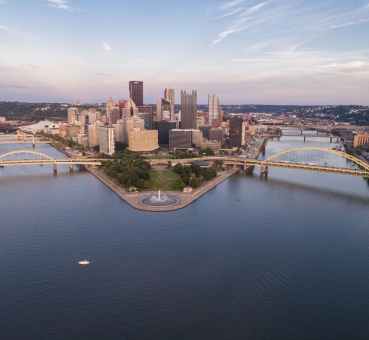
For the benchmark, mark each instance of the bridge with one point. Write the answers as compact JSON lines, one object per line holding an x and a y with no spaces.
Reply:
{"x":17,"y":142}
{"x":22,"y":139}
{"x":44,"y":159}
{"x":274,"y":161}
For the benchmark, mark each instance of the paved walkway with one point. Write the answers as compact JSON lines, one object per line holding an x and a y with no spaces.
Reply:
{"x":135,"y":199}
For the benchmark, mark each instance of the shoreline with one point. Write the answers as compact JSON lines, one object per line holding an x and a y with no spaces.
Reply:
{"x":134,"y":199}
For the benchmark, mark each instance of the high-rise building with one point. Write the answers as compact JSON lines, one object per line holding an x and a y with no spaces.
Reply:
{"x":73,"y":115}
{"x":188,"y":110}
{"x":214,"y":110}
{"x":128,"y":108}
{"x":148,"y":119}
{"x":163,"y":108}
{"x":106,"y":140}
{"x":361,"y":138}
{"x":216,"y":134}
{"x":163,"y":128}
{"x":114,"y":116}
{"x":136,"y":92}
{"x":170,"y":97}
{"x":184,"y":138}
{"x":120,"y":131}
{"x":93,"y":134}
{"x":109,"y":105}
{"x":237,"y":131}
{"x":140,"y":140}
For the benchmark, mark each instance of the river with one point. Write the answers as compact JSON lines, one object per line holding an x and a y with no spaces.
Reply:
{"x":286,"y":258}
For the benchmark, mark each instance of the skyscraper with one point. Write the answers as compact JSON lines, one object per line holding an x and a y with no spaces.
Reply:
{"x":163,"y":110}
{"x":106,"y":140}
{"x":73,"y":115}
{"x":188,"y":109}
{"x":136,"y":92}
{"x":170,"y":96}
{"x":237,"y":130}
{"x":214,"y":110}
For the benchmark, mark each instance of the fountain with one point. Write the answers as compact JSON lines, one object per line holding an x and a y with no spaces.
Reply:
{"x":160,"y":199}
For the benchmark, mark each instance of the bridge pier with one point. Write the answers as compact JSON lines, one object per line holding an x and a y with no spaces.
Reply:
{"x":248,"y":169}
{"x":71,"y":169}
{"x":55,"y":170}
{"x":81,"y":167}
{"x":264,"y":170}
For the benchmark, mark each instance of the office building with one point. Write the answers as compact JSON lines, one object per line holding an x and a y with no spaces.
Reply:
{"x":136,"y":92}
{"x":214,"y":115}
{"x":164,"y":128}
{"x":216,"y":134}
{"x":73,"y":115}
{"x":184,"y":139}
{"x":145,"y":109}
{"x":140,"y":140}
{"x":114,"y":116}
{"x":170,"y":97}
{"x":361,"y":138}
{"x":109,"y":105}
{"x":82,"y":139}
{"x":120,"y":131}
{"x":201,"y":119}
{"x":106,"y":140}
{"x":93,"y":134}
{"x":163,"y":108}
{"x":128,"y":108}
{"x":237,"y":131}
{"x":188,"y":110}
{"x":147,"y":118}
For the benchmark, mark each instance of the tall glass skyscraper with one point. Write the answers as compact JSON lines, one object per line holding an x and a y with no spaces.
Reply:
{"x":188,"y":109}
{"x":214,"y":109}
{"x":136,"y":92}
{"x":170,"y":96}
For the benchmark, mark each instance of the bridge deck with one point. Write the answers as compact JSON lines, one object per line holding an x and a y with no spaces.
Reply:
{"x":232,"y":161}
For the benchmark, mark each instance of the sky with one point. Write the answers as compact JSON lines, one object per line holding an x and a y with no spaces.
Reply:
{"x":308,"y":52}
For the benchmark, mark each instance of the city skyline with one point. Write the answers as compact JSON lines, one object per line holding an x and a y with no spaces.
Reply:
{"x":245,"y":51}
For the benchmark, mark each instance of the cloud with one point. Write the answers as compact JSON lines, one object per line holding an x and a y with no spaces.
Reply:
{"x":349,"y":66}
{"x":106,"y":46}
{"x":282,"y":18}
{"x":60,"y":4}
{"x":104,"y":75}
{"x":4,"y":28}
{"x":230,"y":4}
{"x":244,"y":18}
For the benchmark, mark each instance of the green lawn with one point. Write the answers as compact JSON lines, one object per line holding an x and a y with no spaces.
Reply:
{"x":165,"y":180}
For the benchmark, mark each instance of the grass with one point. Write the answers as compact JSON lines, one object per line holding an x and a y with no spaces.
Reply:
{"x":165,"y":180}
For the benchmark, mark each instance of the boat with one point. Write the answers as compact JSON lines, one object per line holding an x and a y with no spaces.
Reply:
{"x":84,"y":263}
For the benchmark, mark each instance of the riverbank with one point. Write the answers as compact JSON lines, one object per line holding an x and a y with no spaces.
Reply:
{"x":135,"y":199}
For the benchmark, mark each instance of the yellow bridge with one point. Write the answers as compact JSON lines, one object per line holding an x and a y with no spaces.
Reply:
{"x":273,"y":161}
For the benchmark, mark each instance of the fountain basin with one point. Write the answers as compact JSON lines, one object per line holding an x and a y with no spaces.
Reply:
{"x":160,"y":200}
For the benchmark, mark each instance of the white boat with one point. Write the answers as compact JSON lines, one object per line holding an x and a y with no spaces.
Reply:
{"x":84,"y":263}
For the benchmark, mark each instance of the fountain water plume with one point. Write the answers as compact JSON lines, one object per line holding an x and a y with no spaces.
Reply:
{"x":160,"y":199}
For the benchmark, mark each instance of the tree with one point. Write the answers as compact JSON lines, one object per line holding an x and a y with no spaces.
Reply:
{"x":207,"y":152}
{"x":195,"y":182}
{"x":129,"y":169}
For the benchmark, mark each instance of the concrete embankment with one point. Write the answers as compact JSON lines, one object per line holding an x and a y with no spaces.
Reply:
{"x":135,"y":199}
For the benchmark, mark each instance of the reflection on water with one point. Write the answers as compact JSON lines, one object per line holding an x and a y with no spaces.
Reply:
{"x":285,"y":258}
{"x":354,"y":186}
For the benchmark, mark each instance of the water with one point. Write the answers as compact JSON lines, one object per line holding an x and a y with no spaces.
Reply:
{"x":286,"y":258}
